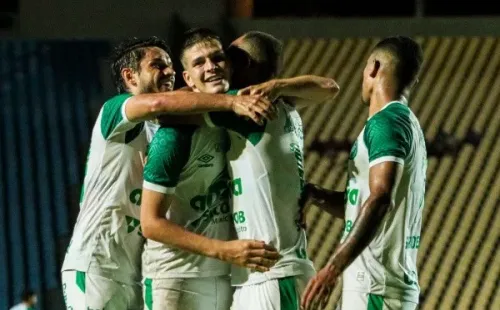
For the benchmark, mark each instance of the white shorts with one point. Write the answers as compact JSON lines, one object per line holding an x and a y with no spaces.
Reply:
{"x":207,"y":293}
{"x":84,"y":291}
{"x":277,"y":294}
{"x":352,"y":300}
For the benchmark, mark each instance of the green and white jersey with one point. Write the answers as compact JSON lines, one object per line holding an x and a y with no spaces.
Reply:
{"x":107,"y":239}
{"x":189,"y":163}
{"x":267,"y":168}
{"x":388,"y":266}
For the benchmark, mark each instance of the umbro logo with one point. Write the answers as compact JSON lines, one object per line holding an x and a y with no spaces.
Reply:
{"x":205,"y":159}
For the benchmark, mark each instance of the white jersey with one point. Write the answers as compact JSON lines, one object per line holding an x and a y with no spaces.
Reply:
{"x":267,"y":168}
{"x":107,"y":239}
{"x":387,"y":267}
{"x":189,"y":163}
{"x":21,"y":306}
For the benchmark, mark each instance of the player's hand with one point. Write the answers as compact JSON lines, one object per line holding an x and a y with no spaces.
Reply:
{"x":253,"y":254}
{"x":269,"y":89}
{"x":319,"y":288}
{"x":255,"y":107}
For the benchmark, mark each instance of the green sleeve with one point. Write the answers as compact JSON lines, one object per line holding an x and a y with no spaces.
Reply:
{"x":230,"y":121}
{"x":388,"y":135}
{"x":168,"y":154}
{"x":113,"y":120}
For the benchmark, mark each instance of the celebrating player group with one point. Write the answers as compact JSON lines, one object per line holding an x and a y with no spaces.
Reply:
{"x":194,"y":199}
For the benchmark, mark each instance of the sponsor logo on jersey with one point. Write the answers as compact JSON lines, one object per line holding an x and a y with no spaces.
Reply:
{"x":293,"y":124}
{"x":133,"y":224}
{"x":237,"y":187}
{"x":239,"y":217}
{"x":213,"y":207}
{"x":299,"y":221}
{"x":300,"y":162}
{"x":412,"y":242}
{"x":205,"y":159}
{"x":351,"y":196}
{"x":347,"y":229}
{"x":240,"y":221}
{"x":135,"y":196}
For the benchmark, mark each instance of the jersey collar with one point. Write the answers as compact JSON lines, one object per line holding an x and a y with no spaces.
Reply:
{"x":403,"y":101}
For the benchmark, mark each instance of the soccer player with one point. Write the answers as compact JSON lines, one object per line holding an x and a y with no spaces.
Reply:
{"x":102,"y":267}
{"x":185,"y":212}
{"x":385,"y":192}
{"x":267,"y":170}
{"x":28,"y":301}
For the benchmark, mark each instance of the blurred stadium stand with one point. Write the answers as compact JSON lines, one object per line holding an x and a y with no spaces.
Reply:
{"x":51,"y":90}
{"x":46,"y":93}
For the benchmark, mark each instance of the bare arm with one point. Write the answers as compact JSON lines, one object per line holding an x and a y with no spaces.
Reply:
{"x":328,"y":200}
{"x":383,"y":179}
{"x":247,"y":253}
{"x":308,"y":89}
{"x":301,"y":90}
{"x":148,"y":106}
{"x":156,"y":227}
{"x":387,"y":141}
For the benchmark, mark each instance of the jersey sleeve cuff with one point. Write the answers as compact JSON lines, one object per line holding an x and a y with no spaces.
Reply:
{"x":124,"y":115}
{"x":387,"y":158}
{"x":158,"y":188}
{"x":208,"y":120}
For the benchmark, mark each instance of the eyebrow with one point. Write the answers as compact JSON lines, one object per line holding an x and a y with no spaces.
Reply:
{"x":197,"y":59}
{"x":159,"y":59}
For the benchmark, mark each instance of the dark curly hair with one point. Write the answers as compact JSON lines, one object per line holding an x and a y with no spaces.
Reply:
{"x":128,"y":54}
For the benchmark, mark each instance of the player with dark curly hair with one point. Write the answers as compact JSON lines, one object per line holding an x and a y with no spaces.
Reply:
{"x":102,"y":267}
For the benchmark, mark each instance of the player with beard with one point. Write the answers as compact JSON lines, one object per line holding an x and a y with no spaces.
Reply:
{"x":102,"y":267}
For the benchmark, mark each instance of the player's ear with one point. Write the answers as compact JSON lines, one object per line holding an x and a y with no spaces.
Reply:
{"x":128,"y":77}
{"x":375,"y":68}
{"x":187,"y":79}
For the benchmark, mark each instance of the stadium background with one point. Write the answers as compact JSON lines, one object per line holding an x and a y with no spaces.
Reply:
{"x":54,"y":78}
